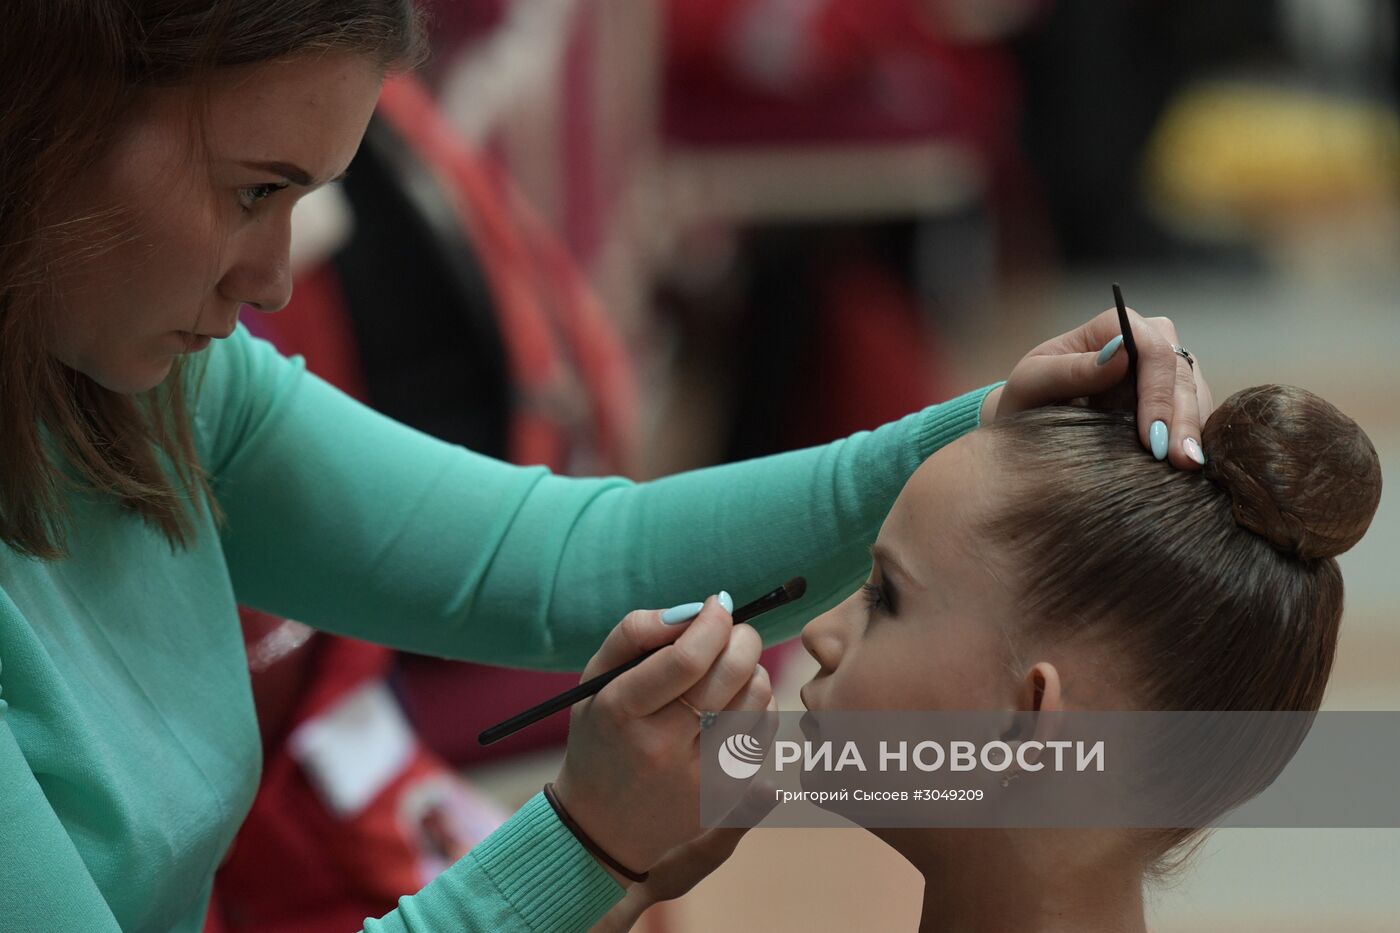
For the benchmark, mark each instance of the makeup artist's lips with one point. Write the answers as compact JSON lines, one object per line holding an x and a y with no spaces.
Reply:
{"x":196,"y":342}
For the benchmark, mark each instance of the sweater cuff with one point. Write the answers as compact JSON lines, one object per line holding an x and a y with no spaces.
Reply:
{"x":545,"y":872}
{"x":946,"y":422}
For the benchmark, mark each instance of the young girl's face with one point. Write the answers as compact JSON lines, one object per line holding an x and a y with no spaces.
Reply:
{"x":193,"y":234}
{"x":926,"y":631}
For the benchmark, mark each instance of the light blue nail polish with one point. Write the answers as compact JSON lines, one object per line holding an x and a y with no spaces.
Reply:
{"x":1157,"y":434}
{"x":1109,"y":349}
{"x":682,"y":613}
{"x":726,"y":601}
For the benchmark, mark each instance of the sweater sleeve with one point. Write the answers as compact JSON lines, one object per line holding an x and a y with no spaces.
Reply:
{"x":351,"y":522}
{"x":46,"y":885}
{"x":531,"y":874}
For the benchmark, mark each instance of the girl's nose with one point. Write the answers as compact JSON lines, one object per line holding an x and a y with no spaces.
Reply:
{"x":820,"y":639}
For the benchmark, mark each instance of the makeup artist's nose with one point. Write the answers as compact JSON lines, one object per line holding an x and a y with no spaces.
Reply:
{"x":261,"y":275}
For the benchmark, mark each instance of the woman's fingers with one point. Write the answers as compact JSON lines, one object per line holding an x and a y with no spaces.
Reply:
{"x":673,"y":669}
{"x":1083,"y":362}
{"x":639,"y":632}
{"x":631,"y":773}
{"x":1089,"y":362}
{"x":757,"y":708}
{"x":736,"y":667}
{"x":752,"y":697}
{"x":1093,"y":334}
{"x":1183,"y":446}
{"x":1158,"y":376}
{"x":1057,"y":378}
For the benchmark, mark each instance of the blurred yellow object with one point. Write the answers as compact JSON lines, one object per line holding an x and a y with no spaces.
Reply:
{"x":1226,"y":158}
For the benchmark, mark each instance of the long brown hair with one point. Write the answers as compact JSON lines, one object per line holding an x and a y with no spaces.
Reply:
{"x":1217,"y":590}
{"x":73,"y":68}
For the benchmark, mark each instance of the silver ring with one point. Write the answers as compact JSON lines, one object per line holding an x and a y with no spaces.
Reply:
{"x":1185,"y":354}
{"x":706,"y":717}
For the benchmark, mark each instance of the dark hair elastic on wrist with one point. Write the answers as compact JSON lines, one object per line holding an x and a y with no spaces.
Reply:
{"x":588,"y":843}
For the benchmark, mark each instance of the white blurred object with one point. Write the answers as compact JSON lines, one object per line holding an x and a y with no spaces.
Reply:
{"x":1340,"y":37}
{"x":277,"y":644}
{"x":490,"y":77}
{"x":353,"y":750}
{"x":772,"y":46}
{"x":839,"y":181}
{"x":321,"y":224}
{"x":564,"y":95}
{"x":979,"y":20}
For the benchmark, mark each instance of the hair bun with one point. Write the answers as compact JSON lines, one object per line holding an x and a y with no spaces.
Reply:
{"x":1299,"y":472}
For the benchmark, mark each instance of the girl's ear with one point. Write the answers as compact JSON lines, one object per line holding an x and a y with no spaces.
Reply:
{"x":1040,"y":689}
{"x":1039,"y":693}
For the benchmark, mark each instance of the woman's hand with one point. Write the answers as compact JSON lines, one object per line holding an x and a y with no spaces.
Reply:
{"x":631,"y":772}
{"x":1067,"y":369}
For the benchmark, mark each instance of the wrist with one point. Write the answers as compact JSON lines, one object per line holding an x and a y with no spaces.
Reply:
{"x":597,"y":836}
{"x":622,"y":880}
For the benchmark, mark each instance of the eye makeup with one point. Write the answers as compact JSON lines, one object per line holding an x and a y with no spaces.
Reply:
{"x":878,"y":598}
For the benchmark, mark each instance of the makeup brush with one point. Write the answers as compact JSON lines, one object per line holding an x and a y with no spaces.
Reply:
{"x":1129,"y":345}
{"x":788,"y":592}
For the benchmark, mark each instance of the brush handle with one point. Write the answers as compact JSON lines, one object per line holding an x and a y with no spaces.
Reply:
{"x":563,"y":701}
{"x":591,"y":686}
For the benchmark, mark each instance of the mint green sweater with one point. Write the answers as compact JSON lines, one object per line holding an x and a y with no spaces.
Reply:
{"x":129,"y":753}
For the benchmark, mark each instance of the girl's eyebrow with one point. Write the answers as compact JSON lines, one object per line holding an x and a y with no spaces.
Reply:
{"x":884,"y":558}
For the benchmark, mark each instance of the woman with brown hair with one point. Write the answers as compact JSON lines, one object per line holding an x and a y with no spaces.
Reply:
{"x":1078,"y":574}
{"x":160,"y":465}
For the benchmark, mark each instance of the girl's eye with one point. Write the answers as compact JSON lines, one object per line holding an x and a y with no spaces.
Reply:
{"x":247,"y":197}
{"x":876,"y":598}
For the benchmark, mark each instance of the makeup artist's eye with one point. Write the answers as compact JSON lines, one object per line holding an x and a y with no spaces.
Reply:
{"x":247,"y":197}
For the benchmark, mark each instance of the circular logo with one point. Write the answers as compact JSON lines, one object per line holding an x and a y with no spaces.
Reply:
{"x":741,"y":755}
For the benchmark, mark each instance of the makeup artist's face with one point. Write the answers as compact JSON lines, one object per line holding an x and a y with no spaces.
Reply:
{"x":201,"y":232}
{"x":925,"y":632}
